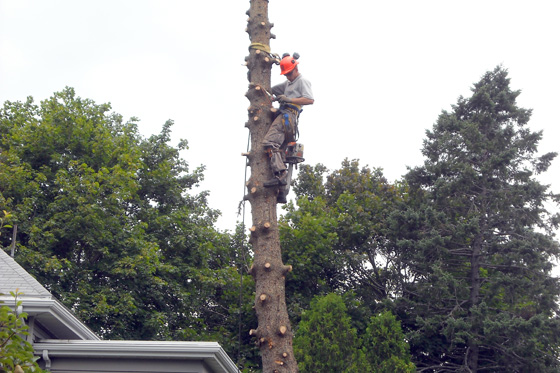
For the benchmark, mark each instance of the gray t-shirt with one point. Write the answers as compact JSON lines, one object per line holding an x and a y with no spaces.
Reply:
{"x":300,"y":87}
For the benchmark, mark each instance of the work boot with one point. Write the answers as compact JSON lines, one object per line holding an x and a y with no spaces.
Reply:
{"x":283,"y":178}
{"x":272,"y":182}
{"x":281,"y":198}
{"x":277,"y":180}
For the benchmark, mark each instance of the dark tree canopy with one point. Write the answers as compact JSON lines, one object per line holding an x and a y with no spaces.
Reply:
{"x":482,"y":297}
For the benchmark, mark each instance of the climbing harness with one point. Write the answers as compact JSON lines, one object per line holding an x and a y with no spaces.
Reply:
{"x":288,"y":110}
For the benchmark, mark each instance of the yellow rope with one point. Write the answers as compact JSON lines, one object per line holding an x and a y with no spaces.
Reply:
{"x":260,"y":46}
{"x":265,"y":48}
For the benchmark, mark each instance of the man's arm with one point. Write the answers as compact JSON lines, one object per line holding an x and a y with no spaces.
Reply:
{"x":296,"y":100}
{"x":302,"y":101}
{"x":279,"y":89}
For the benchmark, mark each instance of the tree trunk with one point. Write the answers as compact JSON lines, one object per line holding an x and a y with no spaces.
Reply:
{"x":274,"y":333}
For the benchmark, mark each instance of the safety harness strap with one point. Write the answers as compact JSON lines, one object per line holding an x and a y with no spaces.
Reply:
{"x":287,"y":110}
{"x":295,"y":107}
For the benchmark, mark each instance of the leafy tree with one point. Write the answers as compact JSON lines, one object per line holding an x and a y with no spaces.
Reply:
{"x":325,"y":340}
{"x":337,"y":237}
{"x":308,"y":238}
{"x":16,"y":354}
{"x":106,"y":221}
{"x":480,"y":295}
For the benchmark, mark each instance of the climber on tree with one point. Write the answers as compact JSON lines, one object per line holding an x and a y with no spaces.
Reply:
{"x":292,"y":94}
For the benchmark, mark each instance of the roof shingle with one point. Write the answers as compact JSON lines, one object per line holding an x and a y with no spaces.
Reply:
{"x":13,"y":276}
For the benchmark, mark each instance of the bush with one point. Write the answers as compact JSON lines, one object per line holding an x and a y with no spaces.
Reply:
{"x":16,"y":354}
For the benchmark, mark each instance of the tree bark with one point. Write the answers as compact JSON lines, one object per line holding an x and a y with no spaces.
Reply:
{"x":273,"y":334}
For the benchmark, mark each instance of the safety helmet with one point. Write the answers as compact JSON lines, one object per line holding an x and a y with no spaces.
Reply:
{"x":287,"y":64}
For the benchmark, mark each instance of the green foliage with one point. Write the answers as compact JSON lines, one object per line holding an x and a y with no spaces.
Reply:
{"x":3,"y":220}
{"x":325,"y":340}
{"x":107,"y":222}
{"x":481,"y":293}
{"x":336,"y":239}
{"x":461,"y":251}
{"x":308,"y":240}
{"x":16,"y":354}
{"x":385,"y":347}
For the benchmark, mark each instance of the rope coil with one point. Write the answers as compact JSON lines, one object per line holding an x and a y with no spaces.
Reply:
{"x":265,"y":48}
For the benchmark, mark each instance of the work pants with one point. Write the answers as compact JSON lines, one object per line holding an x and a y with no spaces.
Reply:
{"x":281,"y":132}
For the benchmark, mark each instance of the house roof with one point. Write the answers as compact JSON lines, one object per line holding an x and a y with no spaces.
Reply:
{"x":52,"y":318}
{"x":61,"y":337}
{"x":15,"y":277}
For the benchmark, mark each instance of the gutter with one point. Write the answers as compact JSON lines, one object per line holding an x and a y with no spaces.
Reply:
{"x":47,"y":310}
{"x":209,"y":352}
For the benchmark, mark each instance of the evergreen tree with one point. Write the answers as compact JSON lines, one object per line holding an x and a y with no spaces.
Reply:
{"x":325,"y":340}
{"x":385,"y":347}
{"x":480,"y":295}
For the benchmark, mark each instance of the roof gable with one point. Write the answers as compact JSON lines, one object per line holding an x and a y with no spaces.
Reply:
{"x":13,"y":276}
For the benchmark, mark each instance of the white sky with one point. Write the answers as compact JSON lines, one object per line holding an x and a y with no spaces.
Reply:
{"x":382,"y":71}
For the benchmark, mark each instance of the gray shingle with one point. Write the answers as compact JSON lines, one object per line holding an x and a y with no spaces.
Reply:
{"x":13,"y":276}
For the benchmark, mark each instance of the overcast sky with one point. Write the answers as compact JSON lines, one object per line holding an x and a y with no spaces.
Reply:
{"x":382,"y":71}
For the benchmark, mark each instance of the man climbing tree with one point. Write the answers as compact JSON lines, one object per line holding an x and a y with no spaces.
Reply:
{"x":294,"y":93}
{"x":273,"y":334}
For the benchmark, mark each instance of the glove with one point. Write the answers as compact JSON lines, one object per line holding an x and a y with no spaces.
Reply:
{"x":284,"y":99}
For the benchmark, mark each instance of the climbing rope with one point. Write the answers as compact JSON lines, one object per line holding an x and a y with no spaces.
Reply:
{"x":241,"y":210}
{"x":265,"y":48}
{"x":260,"y":46}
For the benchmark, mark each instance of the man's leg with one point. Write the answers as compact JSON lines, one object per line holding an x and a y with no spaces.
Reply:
{"x":272,"y":143}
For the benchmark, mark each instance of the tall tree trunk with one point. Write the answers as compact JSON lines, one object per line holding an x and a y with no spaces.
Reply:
{"x":274,"y":333}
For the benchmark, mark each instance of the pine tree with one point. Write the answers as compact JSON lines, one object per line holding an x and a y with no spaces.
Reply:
{"x":480,"y":293}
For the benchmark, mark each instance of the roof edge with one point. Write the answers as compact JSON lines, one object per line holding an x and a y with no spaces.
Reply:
{"x":65,"y":317}
{"x":210,"y":352}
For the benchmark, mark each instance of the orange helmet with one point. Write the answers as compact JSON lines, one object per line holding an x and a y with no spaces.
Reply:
{"x":287,"y":64}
